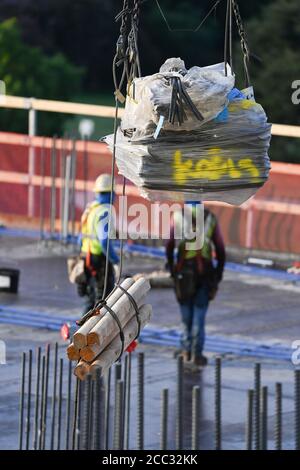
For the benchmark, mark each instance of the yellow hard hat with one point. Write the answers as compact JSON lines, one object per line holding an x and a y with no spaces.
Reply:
{"x":103,"y":184}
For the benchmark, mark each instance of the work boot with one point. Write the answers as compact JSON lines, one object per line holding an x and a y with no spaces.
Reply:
{"x":186,"y":356}
{"x":200,"y":361}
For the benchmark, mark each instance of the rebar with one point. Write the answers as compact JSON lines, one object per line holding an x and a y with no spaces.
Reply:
{"x":68,"y":406}
{"x":127,"y":401}
{"x":257,"y":387}
{"x":264,"y":418}
{"x":45,"y":401}
{"x":218,"y":403}
{"x":22,"y":401}
{"x":54,"y":397}
{"x":249,"y":421}
{"x":107,"y":410}
{"x":41,"y":420}
{"x":118,"y":421}
{"x":195,"y":417}
{"x":140,"y":402}
{"x":179,"y":403}
{"x":86,"y":413}
{"x":278,"y":416}
{"x":76,"y":416}
{"x":28,"y":419}
{"x":164,"y":419}
{"x":98,"y":428}
{"x":37,"y":399}
{"x":60,"y":400}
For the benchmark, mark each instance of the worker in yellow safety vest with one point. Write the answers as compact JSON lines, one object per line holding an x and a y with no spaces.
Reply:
{"x":196,"y":277}
{"x":94,"y":234}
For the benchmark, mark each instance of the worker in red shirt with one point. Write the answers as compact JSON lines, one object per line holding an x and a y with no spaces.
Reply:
{"x":196,"y":276}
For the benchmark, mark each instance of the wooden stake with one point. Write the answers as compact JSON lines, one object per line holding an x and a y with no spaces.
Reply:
{"x":112,"y":352}
{"x":73,"y":353}
{"x":80,"y":337}
{"x":106,"y":329}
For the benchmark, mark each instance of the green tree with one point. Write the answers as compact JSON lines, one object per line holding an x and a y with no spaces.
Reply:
{"x":27,"y":71}
{"x":274,"y":36}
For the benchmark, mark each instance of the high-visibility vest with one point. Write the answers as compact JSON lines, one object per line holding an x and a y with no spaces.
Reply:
{"x":206,"y":250}
{"x":89,"y":220}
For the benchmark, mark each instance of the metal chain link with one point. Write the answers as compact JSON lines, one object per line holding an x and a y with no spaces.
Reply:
{"x":244,"y":43}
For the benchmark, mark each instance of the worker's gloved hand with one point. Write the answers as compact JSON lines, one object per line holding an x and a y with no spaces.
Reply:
{"x":82,"y":289}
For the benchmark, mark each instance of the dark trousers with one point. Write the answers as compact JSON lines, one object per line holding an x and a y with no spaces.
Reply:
{"x":95,"y":283}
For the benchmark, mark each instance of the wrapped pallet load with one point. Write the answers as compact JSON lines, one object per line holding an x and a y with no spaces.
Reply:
{"x":191,"y":135}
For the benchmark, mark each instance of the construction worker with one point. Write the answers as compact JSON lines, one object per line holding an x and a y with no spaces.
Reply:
{"x":196,"y":282}
{"x":94,"y":234}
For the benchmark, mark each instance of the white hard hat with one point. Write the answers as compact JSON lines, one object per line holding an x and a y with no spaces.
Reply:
{"x":103,"y":184}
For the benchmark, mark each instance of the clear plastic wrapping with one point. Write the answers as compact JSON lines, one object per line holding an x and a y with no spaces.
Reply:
{"x":223,"y":156}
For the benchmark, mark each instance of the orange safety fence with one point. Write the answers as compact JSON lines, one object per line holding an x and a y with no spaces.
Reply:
{"x":269,"y":221}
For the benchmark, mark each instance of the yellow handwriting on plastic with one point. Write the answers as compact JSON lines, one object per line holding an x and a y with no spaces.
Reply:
{"x":212,"y":168}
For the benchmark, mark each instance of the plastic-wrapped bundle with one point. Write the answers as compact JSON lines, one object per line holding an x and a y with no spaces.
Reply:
{"x":218,"y":152}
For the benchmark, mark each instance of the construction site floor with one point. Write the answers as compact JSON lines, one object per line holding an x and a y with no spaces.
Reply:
{"x":248,"y":307}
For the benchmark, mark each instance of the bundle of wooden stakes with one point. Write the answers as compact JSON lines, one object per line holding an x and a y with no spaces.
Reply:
{"x":97,"y":344}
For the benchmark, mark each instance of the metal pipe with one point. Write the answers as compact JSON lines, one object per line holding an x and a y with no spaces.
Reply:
{"x":37,"y":398}
{"x":164,"y":419}
{"x":42,"y":191}
{"x":62,"y":184}
{"x":67,"y":199}
{"x":53,"y":189}
{"x":218,"y":404}
{"x":60,"y":400}
{"x":278,"y":416}
{"x":257,"y":386}
{"x":68,"y":410}
{"x":22,"y":401}
{"x":249,"y":421}
{"x":179,"y":403}
{"x":32,"y":124}
{"x":54,"y":397}
{"x":28,"y":420}
{"x":140,"y":402}
{"x":195,"y":417}
{"x":73,"y":199}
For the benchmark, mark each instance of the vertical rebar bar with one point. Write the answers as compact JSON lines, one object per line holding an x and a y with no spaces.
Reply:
{"x":91,"y":416}
{"x":86,"y":413}
{"x":68,"y":410}
{"x":278,"y":416}
{"x":195,"y":417}
{"x":118,"y":421}
{"x":41,"y":420}
{"x":75,"y":430}
{"x":218,"y":403}
{"x":127,"y":402}
{"x":37,"y":398}
{"x":42,"y":190}
{"x":54,"y":397}
{"x":53,"y":189}
{"x":107,"y":410}
{"x":45,"y":400}
{"x":257,"y":387}
{"x":140,"y":402}
{"x":98,"y":413}
{"x":164,"y":419}
{"x":22,"y":401}
{"x":60,"y":401}
{"x":264,"y":418}
{"x":28,"y":419}
{"x":297,"y":409}
{"x":249,"y":420}
{"x":179,"y":403}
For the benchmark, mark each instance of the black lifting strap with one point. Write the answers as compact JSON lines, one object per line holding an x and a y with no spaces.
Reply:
{"x":135,"y":306}
{"x":122,"y":337}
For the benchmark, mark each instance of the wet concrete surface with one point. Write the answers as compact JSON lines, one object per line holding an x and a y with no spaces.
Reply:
{"x":248,"y":307}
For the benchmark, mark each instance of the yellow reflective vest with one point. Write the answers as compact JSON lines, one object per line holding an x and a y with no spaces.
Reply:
{"x":89,"y":220}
